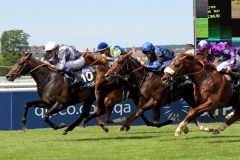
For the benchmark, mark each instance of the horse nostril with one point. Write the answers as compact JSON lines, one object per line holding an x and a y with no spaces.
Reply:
{"x":164,"y":79}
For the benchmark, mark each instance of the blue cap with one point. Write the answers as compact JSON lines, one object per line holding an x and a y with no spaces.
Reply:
{"x":102,"y":46}
{"x":147,"y":47}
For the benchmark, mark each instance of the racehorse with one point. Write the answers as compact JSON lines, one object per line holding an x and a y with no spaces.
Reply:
{"x":55,"y":91}
{"x":53,"y":88}
{"x":152,"y":92}
{"x":211,"y":88}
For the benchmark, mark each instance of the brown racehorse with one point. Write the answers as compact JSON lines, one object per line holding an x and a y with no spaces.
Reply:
{"x":211,"y":88}
{"x":55,"y":91}
{"x":152,"y":92}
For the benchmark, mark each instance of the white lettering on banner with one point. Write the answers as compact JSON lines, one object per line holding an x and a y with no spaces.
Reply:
{"x":127,"y":109}
{"x":217,"y":111}
{"x":226,"y":109}
{"x":122,"y":108}
{"x":73,"y":110}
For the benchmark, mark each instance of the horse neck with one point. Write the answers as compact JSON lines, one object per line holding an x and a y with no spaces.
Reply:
{"x":199,"y":73}
{"x":138,"y":75}
{"x":41,"y":74}
{"x":91,"y":59}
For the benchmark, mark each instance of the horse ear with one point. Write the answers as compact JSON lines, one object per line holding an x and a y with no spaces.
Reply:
{"x":26,"y":56}
{"x":128,"y":54}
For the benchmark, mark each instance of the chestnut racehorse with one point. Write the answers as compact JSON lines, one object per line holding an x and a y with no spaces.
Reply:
{"x":211,"y":88}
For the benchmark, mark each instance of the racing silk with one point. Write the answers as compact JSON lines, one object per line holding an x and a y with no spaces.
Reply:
{"x":158,"y":58}
{"x":65,"y":55}
{"x":115,"y":52}
{"x":222,"y":52}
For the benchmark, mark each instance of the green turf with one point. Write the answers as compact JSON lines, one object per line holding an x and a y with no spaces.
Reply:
{"x":140,"y":143}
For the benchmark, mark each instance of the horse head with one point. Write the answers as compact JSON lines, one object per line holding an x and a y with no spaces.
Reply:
{"x":19,"y":68}
{"x":120,"y":68}
{"x":181,"y":66}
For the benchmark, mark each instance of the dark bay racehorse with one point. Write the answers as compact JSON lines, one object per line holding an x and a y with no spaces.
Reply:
{"x":53,"y":88}
{"x":211,"y":88}
{"x":152,"y":92}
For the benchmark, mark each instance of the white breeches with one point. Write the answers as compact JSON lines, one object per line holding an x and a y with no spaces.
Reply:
{"x":226,"y":63}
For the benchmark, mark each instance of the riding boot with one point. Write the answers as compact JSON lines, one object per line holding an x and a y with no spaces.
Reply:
{"x":235,"y":77}
{"x":75,"y":80}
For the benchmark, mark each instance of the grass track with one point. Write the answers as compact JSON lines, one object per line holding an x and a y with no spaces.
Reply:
{"x":140,"y":143}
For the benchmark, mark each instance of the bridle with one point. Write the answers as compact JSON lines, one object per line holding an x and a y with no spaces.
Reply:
{"x":189,"y":71}
{"x":126,"y":77}
{"x":99,"y":58}
{"x":34,"y":68}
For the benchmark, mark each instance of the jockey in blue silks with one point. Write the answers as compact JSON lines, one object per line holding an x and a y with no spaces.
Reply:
{"x":110,"y":52}
{"x":157,"y":56}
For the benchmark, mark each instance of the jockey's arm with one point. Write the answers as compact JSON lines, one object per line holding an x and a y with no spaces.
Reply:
{"x":154,"y":65}
{"x":60,"y":65}
{"x":48,"y":63}
{"x":233,"y":58}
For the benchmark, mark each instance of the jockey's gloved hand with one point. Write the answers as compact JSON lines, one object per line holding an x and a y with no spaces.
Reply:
{"x":224,"y":71}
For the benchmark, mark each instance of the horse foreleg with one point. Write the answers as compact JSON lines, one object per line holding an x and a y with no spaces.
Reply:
{"x":54,"y":109}
{"x":85,"y":113}
{"x":192,"y":114}
{"x":25,"y":111}
{"x":156,"y":115}
{"x":101,"y":124}
{"x":158,"y":125}
{"x":146,"y":106}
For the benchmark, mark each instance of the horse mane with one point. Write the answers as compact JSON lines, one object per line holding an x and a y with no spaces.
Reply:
{"x":208,"y":65}
{"x":137,"y":61}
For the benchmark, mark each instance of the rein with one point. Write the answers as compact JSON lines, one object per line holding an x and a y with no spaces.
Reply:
{"x":41,"y":66}
{"x":94,"y":62}
{"x":126,"y":77}
{"x":197,"y":72}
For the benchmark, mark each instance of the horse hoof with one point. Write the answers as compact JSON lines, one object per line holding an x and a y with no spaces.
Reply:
{"x":106,"y":129}
{"x":24,"y":129}
{"x":215,"y":131}
{"x":177,"y":133}
{"x":127,"y":128}
{"x":64,"y":132}
{"x":121,"y":129}
{"x":61,"y":125}
{"x":185,"y":130}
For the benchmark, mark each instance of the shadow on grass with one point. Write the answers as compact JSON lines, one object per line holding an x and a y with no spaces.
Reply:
{"x":111,"y":138}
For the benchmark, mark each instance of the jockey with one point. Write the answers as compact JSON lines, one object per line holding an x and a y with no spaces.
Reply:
{"x":110,"y":52}
{"x":221,"y":53}
{"x":156,"y":55}
{"x":64,"y":58}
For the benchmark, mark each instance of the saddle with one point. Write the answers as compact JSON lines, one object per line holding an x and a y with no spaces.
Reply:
{"x":85,"y":76}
